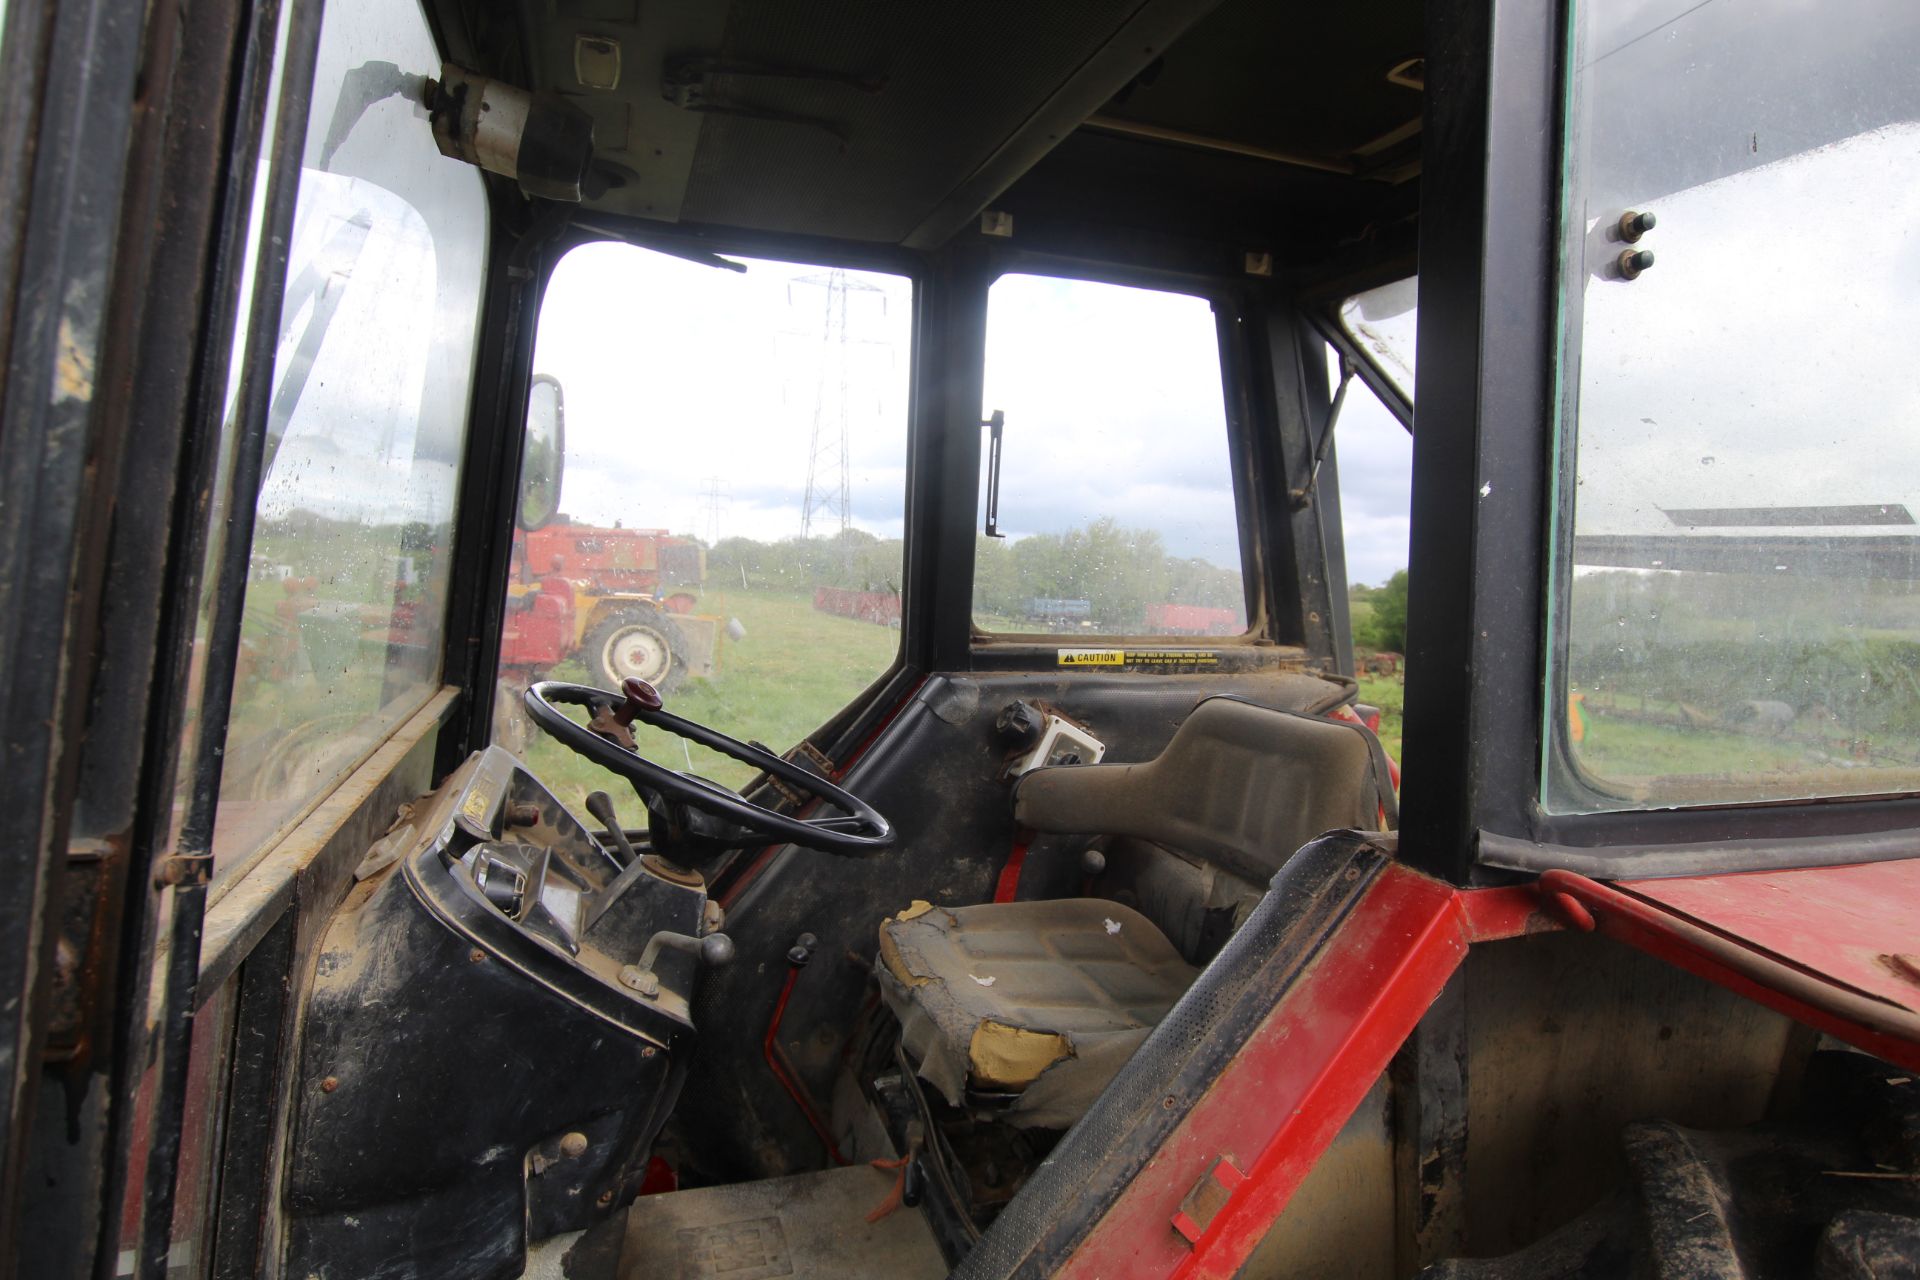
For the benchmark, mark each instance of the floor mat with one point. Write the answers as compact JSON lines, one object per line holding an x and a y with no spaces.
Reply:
{"x":812,"y":1224}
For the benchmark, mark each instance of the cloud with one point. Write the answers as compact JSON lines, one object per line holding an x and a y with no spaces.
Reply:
{"x":679,"y":377}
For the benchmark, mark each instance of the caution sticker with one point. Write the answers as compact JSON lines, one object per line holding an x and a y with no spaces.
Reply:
{"x":476,"y":804}
{"x":1138,"y":658}
{"x":1172,"y":657}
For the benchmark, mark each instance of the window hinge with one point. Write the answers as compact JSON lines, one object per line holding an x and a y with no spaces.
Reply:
{"x":182,"y":869}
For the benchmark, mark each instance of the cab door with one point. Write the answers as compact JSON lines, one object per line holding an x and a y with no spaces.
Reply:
{"x":1678,"y":556}
{"x":243,"y":321}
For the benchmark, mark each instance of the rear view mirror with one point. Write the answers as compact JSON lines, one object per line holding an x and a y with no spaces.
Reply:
{"x":544,"y":453}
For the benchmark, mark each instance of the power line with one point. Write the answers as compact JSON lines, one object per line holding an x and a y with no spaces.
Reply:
{"x":714,"y":498}
{"x":828,"y":503}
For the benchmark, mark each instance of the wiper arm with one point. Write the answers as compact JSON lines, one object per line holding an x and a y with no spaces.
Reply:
{"x":686,"y":252}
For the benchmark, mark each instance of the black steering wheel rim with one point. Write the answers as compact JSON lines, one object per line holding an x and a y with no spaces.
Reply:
{"x":861,"y":833}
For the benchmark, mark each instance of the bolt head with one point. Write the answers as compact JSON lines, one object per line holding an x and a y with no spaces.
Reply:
{"x":1632,"y":262}
{"x":573,"y":1145}
{"x":330,"y":1084}
{"x":1636,"y":223}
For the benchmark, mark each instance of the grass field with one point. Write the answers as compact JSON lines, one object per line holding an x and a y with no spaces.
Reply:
{"x":1389,"y":693}
{"x":797,"y":667}
{"x":794,"y":669}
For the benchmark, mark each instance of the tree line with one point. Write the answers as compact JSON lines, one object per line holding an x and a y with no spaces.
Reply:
{"x":1382,"y":625}
{"x":1120,"y":571}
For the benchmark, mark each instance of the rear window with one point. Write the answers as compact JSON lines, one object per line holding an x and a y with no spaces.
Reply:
{"x":1116,"y":501}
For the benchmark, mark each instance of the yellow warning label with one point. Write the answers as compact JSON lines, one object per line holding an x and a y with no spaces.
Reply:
{"x":1093,"y":657}
{"x":1139,"y":657}
{"x":475,"y":805}
{"x":1173,"y":657}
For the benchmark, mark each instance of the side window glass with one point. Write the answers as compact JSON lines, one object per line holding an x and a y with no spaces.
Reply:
{"x":1385,"y":322}
{"x":1738,"y":597}
{"x":345,"y":598}
{"x":1115,"y":493}
{"x":1375,"y":456}
{"x":731,"y":490}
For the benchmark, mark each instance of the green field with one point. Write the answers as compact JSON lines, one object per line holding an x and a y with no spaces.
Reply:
{"x":794,"y":670}
{"x":1389,"y":693}
{"x":797,"y":667}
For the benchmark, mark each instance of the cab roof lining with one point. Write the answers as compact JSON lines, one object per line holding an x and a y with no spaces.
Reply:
{"x":870,"y":120}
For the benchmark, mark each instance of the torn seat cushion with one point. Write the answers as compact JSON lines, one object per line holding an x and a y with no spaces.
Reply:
{"x":1042,"y":1001}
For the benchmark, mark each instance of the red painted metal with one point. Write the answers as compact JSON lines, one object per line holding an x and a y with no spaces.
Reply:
{"x":1493,"y":914}
{"x":625,"y":560}
{"x":789,"y":1078}
{"x":1867,"y":1021}
{"x":660,"y":1178}
{"x":1851,"y":924}
{"x":1287,"y":1093}
{"x":1220,"y":1180}
{"x":1009,"y":883}
{"x":538,"y":630}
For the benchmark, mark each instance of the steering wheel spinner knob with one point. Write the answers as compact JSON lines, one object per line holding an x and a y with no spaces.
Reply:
{"x":641,"y":696}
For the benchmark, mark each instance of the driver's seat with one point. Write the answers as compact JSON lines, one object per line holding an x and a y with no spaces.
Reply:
{"x":1034,"y":1006}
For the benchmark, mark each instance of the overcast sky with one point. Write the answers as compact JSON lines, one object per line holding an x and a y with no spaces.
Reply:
{"x":677,"y":375}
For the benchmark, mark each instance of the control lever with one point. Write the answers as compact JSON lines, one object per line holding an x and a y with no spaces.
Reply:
{"x":600,"y":805}
{"x":714,"y":950}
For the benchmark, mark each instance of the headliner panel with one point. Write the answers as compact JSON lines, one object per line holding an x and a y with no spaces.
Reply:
{"x":975,"y":97}
{"x":961,"y":79}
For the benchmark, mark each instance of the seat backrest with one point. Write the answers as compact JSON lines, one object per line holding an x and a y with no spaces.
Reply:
{"x":1239,"y":785}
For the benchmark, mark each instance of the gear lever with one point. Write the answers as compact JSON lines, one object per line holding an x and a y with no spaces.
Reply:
{"x":600,"y":805}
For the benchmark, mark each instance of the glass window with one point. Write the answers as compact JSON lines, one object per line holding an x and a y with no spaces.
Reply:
{"x":1383,"y":322}
{"x":732,"y":499}
{"x":1375,"y":456}
{"x":1738,"y":613}
{"x":1116,"y":499}
{"x":366,"y":421}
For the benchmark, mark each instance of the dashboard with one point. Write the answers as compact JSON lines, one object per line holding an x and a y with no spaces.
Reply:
{"x":561,"y":963}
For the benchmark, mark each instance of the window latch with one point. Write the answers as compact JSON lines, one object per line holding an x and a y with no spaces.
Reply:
{"x":995,"y":426}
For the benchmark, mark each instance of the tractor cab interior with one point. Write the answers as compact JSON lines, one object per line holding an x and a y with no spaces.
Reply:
{"x":1064,"y":629}
{"x":758,"y":674}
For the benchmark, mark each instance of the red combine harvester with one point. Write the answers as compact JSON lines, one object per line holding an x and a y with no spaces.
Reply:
{"x":621,"y":600}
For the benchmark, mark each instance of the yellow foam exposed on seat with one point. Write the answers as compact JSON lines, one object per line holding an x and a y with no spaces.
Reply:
{"x":1004,"y":1057}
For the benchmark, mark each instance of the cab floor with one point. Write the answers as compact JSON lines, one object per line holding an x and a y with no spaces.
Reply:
{"x":811,"y":1224}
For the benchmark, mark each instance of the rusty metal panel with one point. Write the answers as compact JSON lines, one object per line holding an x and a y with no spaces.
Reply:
{"x":1571,"y":1037}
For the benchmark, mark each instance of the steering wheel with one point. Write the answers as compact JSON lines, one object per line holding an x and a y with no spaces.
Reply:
{"x":689,"y":817}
